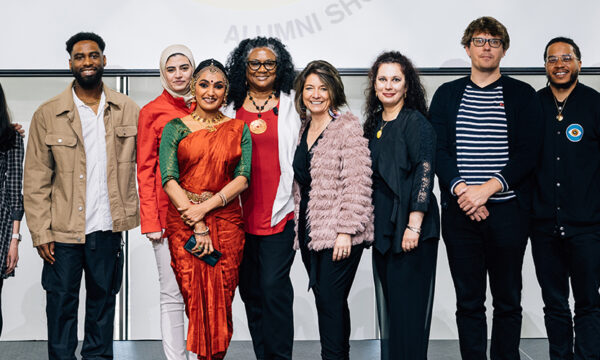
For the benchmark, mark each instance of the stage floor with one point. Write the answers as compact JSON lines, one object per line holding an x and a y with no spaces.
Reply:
{"x":531,"y":349}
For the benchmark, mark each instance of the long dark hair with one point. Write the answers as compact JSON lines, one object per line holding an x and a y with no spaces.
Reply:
{"x":7,"y":132}
{"x":236,"y":68}
{"x":415,"y":92}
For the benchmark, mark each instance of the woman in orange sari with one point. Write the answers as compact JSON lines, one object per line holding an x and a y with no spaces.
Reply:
{"x":205,"y":162}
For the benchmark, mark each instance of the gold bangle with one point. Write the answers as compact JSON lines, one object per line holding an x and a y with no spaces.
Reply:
{"x":204,"y":232}
{"x":223,"y":198}
{"x":414,"y":229}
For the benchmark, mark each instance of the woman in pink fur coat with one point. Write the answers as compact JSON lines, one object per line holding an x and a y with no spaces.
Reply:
{"x":332,"y":193}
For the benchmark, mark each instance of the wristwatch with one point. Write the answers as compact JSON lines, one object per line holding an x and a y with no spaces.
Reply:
{"x":16,"y":236}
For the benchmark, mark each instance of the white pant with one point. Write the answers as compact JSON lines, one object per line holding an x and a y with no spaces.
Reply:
{"x":171,"y":305}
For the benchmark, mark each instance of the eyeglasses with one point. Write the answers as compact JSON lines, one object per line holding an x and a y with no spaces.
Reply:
{"x":566,"y":59}
{"x":480,"y":42}
{"x":269,"y":65}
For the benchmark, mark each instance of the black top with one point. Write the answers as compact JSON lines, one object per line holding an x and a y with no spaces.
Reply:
{"x":383,"y":196}
{"x":523,"y":120}
{"x":302,"y":159}
{"x":403,"y":173}
{"x":567,"y":197}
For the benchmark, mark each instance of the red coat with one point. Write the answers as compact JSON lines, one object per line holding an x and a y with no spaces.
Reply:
{"x":153,"y":118}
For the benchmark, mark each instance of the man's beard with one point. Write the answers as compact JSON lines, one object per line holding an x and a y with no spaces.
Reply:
{"x":89,"y":82}
{"x":568,"y":84}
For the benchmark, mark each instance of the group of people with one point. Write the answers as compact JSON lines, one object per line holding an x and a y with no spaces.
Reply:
{"x":249,"y":161}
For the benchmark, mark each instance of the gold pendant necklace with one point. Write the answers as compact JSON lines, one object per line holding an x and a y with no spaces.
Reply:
{"x":380,"y":131}
{"x":560,"y":109}
{"x":209,"y":124}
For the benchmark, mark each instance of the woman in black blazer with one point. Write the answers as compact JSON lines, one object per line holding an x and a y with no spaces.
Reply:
{"x":402,"y":144}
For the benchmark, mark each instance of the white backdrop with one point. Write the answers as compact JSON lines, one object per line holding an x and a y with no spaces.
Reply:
{"x":348,"y":33}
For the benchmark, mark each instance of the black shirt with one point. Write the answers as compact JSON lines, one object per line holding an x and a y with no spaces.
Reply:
{"x":403,"y":172}
{"x":566,"y":200}
{"x":383,"y":196}
{"x":301,"y":164}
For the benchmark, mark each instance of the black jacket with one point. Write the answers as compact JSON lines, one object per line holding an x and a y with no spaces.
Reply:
{"x":524,"y":124}
{"x":407,"y":167}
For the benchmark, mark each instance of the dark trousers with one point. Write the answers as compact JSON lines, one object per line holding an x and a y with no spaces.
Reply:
{"x":494,"y":247}
{"x":332,"y":283}
{"x":556,"y":259}
{"x":1,"y":322}
{"x":98,"y":257}
{"x":267,"y":292}
{"x":404,"y":287}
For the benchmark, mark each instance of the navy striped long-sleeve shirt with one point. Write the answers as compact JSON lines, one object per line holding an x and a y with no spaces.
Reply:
{"x":482,"y":138}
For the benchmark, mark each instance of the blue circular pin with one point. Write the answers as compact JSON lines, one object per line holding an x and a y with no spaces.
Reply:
{"x":574,"y":132}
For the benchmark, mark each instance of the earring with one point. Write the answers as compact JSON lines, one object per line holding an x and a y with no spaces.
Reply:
{"x":333,"y":113}
{"x":193,"y":87}
{"x":225,"y":97}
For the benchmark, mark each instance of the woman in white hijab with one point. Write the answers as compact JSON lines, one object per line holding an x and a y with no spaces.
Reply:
{"x":176,"y":69}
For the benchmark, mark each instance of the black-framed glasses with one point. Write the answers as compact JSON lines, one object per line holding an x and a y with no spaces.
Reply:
{"x":480,"y":42}
{"x":565,"y":58}
{"x":269,"y":65}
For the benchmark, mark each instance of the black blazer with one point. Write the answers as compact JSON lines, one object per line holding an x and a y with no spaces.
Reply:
{"x":524,"y":124}
{"x":407,"y":167}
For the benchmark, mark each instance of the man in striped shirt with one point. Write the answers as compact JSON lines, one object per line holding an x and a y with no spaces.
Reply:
{"x":488,"y":133}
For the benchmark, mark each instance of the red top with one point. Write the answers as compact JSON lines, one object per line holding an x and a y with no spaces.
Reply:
{"x":264,"y":179}
{"x":153,"y":118}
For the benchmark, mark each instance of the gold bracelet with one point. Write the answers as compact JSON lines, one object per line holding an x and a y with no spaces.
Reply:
{"x":204,"y":232}
{"x":414,"y":229}
{"x":223,"y":198}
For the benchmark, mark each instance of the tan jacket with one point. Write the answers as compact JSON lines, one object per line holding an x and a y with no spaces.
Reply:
{"x":55,"y":168}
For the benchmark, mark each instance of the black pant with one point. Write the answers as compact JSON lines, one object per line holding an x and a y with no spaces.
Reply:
{"x":404,"y":287}
{"x":267,"y":292}
{"x":556,"y":259}
{"x":1,"y":322}
{"x":494,"y":247}
{"x":98,"y":257}
{"x":331,"y":289}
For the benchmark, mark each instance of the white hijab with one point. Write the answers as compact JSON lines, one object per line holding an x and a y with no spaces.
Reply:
{"x":169,"y":51}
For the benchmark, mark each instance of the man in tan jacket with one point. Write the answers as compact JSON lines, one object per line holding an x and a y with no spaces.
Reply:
{"x":80,"y":195}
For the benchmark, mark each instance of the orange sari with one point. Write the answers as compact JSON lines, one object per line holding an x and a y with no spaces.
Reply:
{"x":207,"y":161}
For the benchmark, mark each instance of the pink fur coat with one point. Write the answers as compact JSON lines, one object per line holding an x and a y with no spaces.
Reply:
{"x":340,"y":195}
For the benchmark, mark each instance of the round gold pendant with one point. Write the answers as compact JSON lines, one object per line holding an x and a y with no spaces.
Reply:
{"x":379,"y":133}
{"x":258,"y":126}
{"x":559,"y":117}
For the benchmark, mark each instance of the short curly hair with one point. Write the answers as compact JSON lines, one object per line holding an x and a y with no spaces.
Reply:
{"x":82,"y":36}
{"x":237,"y":62}
{"x":487,"y":25}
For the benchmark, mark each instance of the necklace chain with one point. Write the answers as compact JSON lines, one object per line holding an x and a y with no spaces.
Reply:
{"x":91,"y":103}
{"x":380,"y":131}
{"x":261,"y":108}
{"x":560,"y":109}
